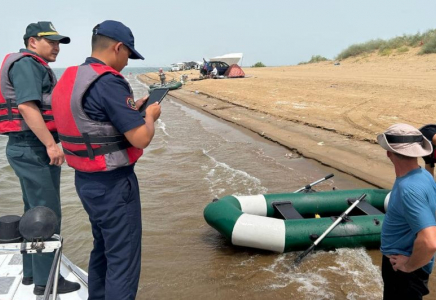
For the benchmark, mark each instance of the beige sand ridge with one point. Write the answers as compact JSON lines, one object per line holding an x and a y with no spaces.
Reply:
{"x":329,"y":109}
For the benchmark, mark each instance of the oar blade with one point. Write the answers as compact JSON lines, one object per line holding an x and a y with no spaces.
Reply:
{"x":304,"y":254}
{"x":329,"y":176}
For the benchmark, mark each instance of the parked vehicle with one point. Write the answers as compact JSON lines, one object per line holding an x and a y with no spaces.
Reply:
{"x":174,"y":68}
{"x":192,"y":65}
{"x":199,"y":65}
{"x":208,"y":67}
{"x":181,"y":66}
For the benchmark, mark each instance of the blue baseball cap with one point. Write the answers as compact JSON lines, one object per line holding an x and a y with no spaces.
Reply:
{"x":118,"y":32}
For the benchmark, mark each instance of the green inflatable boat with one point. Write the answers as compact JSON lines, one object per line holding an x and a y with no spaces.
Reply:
{"x":292,"y":222}
{"x":171,"y":85}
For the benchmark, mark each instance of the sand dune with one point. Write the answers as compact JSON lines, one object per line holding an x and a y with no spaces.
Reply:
{"x":360,"y":98}
{"x":357,"y":99}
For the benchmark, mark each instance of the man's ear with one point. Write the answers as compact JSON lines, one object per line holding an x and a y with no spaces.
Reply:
{"x":32,"y":43}
{"x":117,"y":47}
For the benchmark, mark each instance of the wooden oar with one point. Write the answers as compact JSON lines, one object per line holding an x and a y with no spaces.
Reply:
{"x":338,"y":220}
{"x":307,"y":187}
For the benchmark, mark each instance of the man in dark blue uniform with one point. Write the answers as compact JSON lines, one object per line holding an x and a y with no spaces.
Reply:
{"x":32,"y":150}
{"x":429,"y":131}
{"x":102,"y":108}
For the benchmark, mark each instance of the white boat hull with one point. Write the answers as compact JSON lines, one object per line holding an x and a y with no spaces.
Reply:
{"x":11,"y":274}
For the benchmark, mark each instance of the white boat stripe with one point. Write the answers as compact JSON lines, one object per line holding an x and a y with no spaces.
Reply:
{"x":259,"y":232}
{"x":253,"y":205}
{"x":386,"y":203}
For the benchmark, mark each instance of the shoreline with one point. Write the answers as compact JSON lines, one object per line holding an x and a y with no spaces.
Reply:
{"x":368,"y":160}
{"x":325,"y":112}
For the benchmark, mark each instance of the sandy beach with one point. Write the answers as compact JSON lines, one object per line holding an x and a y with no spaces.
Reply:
{"x":327,"y":112}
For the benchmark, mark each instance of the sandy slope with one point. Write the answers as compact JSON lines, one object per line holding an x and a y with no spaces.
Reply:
{"x":356,"y":99}
{"x":360,"y":97}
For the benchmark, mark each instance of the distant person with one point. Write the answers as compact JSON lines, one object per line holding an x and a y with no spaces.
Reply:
{"x":183,"y":78}
{"x":203,"y":69}
{"x":429,"y":131}
{"x":103,"y":135}
{"x":214,"y":72}
{"x":408,"y":234}
{"x":162,"y":76}
{"x":32,"y":151}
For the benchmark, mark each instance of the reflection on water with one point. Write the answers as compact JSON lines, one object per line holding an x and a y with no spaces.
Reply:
{"x":193,"y":159}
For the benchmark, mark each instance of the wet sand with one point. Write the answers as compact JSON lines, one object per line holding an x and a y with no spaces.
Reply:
{"x":330,"y":113}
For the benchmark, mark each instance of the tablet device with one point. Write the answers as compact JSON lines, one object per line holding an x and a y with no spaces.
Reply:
{"x":156,"y":95}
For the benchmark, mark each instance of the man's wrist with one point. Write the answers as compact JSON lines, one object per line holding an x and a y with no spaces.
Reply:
{"x":51,"y":144}
{"x":408,"y":268}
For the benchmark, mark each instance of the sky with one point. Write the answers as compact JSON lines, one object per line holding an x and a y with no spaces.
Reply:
{"x":274,"y":32}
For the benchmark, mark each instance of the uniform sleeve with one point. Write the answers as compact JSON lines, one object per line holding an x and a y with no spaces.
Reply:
{"x":116,"y":101}
{"x":417,"y":210}
{"x":27,"y":76}
{"x":429,"y":131}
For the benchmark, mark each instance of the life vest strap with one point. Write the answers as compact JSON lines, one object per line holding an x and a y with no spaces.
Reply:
{"x":92,"y":139}
{"x":99,"y":151}
{"x":9,"y":109}
{"x":10,"y":117}
{"x":11,"y":104}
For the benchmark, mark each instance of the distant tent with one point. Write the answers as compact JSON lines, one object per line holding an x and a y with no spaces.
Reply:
{"x":234,"y":71}
{"x":230,"y":59}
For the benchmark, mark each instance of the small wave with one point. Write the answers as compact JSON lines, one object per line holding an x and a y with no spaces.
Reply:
{"x":250,"y":261}
{"x":311,"y":284}
{"x":161,"y":125}
{"x":224,"y":179}
{"x":357,"y":265}
{"x":139,"y":88}
{"x":142,"y":84}
{"x":350,"y":274}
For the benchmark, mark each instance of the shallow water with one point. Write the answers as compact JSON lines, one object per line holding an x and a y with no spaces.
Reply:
{"x":193,"y":159}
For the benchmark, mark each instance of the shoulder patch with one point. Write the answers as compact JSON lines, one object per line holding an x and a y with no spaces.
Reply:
{"x":131,"y":103}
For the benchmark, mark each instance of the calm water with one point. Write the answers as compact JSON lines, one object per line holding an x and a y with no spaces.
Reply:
{"x":193,"y":159}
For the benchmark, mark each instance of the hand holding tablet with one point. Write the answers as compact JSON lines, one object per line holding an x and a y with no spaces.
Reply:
{"x":157,"y":95}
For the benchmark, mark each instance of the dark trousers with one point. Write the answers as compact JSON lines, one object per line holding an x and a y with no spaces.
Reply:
{"x":40,"y":187}
{"x":400,"y":285}
{"x":112,"y":202}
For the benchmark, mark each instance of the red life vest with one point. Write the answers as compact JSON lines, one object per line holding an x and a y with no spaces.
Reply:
{"x":10,"y":118}
{"x":89,"y":146}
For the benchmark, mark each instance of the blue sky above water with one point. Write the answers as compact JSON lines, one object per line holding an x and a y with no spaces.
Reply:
{"x":274,"y":32}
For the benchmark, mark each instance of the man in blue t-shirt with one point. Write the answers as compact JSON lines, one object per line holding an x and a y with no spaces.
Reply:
{"x":408,"y":239}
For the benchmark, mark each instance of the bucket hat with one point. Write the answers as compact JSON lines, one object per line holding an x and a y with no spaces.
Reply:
{"x":406,"y":140}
